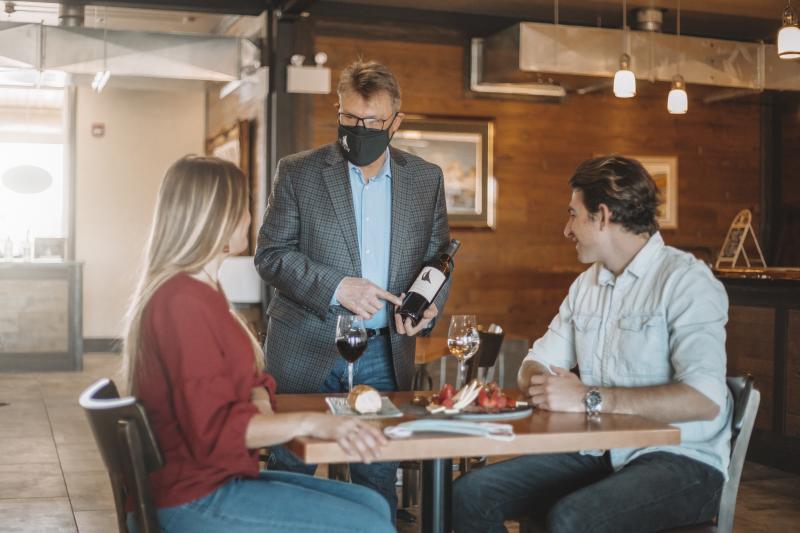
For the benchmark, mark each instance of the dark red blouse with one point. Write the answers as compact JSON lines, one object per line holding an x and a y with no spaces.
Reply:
{"x":196,"y":384}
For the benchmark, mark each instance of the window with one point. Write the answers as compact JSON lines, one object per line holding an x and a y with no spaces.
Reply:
{"x":32,"y":171}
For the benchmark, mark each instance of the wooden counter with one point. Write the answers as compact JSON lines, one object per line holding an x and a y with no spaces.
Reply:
{"x":40,"y":316}
{"x":764,"y":340}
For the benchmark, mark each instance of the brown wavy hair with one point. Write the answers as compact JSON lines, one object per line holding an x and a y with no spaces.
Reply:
{"x":624,"y":186}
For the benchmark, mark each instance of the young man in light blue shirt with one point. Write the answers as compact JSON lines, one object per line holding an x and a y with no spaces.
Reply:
{"x":645,"y":325}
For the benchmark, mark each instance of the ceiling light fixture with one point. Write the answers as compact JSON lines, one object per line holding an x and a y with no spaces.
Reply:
{"x":102,"y":77}
{"x":678,"y":100}
{"x":624,"y":79}
{"x":789,"y":35}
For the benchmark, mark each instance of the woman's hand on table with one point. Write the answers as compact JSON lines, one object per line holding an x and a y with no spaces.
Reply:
{"x":356,"y":437}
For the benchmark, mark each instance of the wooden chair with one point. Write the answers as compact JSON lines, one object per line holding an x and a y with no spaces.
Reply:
{"x":746,"y":399}
{"x":129,"y":450}
{"x":745,"y":408}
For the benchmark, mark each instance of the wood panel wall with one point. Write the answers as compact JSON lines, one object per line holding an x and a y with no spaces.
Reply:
{"x":518,"y":274}
{"x":793,"y":371}
{"x":790,"y":133}
{"x":753,"y":354}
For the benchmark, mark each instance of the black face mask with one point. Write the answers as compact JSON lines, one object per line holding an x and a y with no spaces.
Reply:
{"x":362,"y":146}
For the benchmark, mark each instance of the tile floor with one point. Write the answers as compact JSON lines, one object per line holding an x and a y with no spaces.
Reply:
{"x":52,"y":478}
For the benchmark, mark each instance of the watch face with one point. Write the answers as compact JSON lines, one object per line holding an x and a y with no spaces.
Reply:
{"x":593,"y":400}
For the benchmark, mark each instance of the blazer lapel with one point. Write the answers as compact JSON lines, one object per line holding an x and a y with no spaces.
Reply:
{"x":402,"y":196}
{"x":338,"y":183}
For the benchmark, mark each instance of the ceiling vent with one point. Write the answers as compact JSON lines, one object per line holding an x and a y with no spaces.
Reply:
{"x":649,"y":18}
{"x":38,"y":51}
{"x":572,"y":55}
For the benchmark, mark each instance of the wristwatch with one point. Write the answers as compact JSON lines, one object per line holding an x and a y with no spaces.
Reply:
{"x":593,"y":401}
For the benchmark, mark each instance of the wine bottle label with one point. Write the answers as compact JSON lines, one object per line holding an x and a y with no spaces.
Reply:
{"x":428,"y":283}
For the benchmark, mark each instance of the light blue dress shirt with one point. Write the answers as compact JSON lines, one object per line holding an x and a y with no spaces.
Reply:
{"x":661,"y":321}
{"x":372,"y":207}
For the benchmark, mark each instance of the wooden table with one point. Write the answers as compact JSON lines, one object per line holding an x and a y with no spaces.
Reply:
{"x":542,"y":432}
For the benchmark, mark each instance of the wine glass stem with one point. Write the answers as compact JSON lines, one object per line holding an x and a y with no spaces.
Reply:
{"x":461,"y":375}
{"x":350,"y":376}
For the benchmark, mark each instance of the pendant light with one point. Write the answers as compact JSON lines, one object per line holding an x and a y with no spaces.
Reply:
{"x":678,"y":100}
{"x":789,"y":35}
{"x":102,"y":77}
{"x":624,"y":79}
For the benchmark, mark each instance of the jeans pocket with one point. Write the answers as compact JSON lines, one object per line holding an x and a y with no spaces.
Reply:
{"x":199,"y":505}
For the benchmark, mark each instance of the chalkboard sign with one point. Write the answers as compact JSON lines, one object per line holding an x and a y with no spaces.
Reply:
{"x":733,"y":247}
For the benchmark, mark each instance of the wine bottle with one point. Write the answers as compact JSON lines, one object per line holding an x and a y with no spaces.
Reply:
{"x":428,"y":283}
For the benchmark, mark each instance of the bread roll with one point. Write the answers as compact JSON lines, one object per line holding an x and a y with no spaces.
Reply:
{"x":364,"y":399}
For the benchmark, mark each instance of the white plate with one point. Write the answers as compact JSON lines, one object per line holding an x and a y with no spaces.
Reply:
{"x":518,"y":412}
{"x":338,"y":406}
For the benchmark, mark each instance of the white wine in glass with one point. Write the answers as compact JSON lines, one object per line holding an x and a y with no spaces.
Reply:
{"x":462,"y":341}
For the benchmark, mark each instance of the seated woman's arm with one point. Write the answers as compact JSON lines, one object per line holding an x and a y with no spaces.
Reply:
{"x":216,"y":421}
{"x":360,"y":440}
{"x":260,"y":398}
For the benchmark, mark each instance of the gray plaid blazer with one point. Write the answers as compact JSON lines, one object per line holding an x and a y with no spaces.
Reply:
{"x":308,"y":243}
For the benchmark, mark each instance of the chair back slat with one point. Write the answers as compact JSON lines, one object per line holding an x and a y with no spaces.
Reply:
{"x":136,"y":471}
{"x":746,"y":399}
{"x":128,"y":455}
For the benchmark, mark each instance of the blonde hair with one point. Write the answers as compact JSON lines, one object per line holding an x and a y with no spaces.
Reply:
{"x":199,"y":205}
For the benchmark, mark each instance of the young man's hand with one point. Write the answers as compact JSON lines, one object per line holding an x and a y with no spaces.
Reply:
{"x":563,"y":391}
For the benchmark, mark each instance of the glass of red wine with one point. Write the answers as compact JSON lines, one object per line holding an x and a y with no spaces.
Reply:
{"x":351,"y":341}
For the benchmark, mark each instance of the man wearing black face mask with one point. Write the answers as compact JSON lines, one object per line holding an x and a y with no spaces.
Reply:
{"x":347,"y":228}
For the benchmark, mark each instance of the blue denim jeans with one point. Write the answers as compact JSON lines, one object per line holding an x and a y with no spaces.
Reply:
{"x":279,"y":501}
{"x":574,"y":493}
{"x":373,"y":368}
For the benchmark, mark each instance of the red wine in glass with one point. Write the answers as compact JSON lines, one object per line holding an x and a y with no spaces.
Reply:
{"x":350,"y":347}
{"x":351,"y":341}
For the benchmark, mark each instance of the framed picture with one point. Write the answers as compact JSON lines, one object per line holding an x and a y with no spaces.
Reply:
{"x":664,"y":170}
{"x":234,"y":145}
{"x":463,"y":149}
{"x":52,"y":248}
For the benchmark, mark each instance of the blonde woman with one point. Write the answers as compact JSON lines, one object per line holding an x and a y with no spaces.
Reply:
{"x":199,"y":373}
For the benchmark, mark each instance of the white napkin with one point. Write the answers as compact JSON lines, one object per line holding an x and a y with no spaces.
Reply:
{"x":503,"y":432}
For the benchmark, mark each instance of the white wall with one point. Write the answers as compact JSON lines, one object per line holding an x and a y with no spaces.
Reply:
{"x":117,"y":179}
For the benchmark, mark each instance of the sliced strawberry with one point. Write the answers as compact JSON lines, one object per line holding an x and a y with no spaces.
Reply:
{"x":483,"y":398}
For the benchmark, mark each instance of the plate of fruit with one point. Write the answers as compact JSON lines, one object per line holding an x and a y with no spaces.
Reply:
{"x":477,"y":401}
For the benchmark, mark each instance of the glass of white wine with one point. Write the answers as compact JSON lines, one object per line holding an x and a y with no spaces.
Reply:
{"x":462,"y":341}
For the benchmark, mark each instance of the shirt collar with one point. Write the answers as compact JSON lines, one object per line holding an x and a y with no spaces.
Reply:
{"x":385,"y":170}
{"x":639,"y":265}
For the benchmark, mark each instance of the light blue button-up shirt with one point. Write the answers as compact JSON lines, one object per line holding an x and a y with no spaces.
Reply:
{"x":661,"y":321}
{"x":372,"y":206}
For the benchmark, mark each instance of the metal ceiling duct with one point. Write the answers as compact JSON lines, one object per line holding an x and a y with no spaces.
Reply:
{"x":526,"y":48}
{"x":80,"y":50}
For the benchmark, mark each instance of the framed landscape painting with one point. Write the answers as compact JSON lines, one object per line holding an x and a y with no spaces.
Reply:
{"x":463,"y":150}
{"x":664,"y":170}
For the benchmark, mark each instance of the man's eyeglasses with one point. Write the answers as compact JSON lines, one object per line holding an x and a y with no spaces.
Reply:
{"x":346,"y":119}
